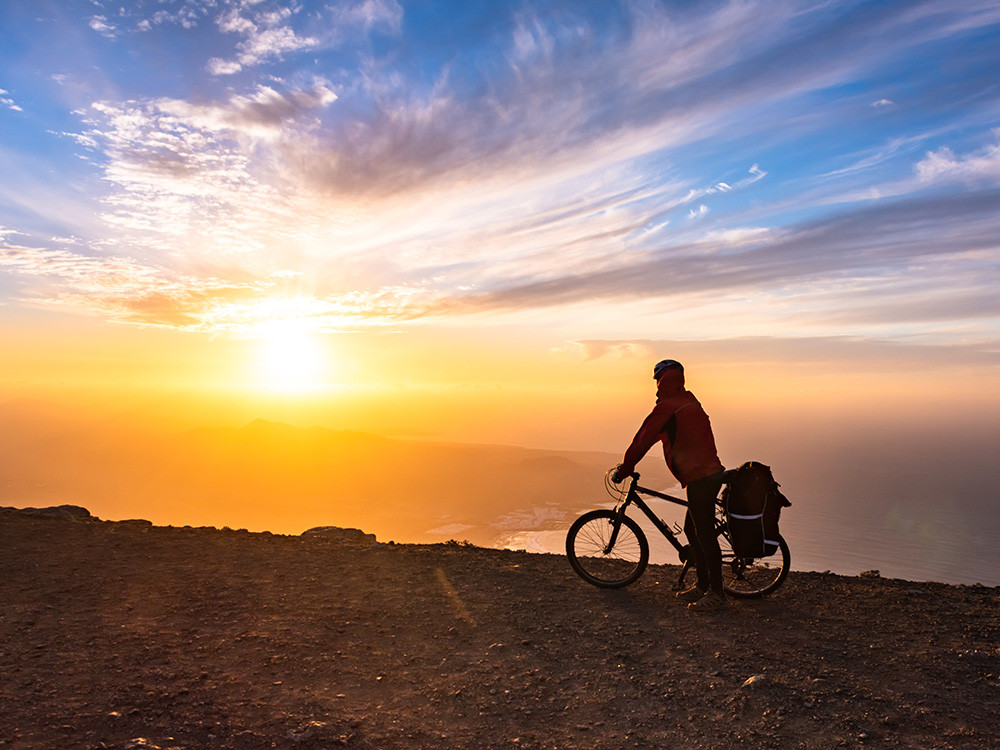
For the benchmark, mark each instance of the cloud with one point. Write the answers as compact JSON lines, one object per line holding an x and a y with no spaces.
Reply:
{"x":943,"y":166}
{"x":127,"y":291}
{"x":266,"y":34}
{"x":847,"y":353}
{"x":535,"y":112}
{"x":382,"y":14}
{"x":109,"y":285}
{"x":881,"y":238}
{"x":596,"y":349}
{"x":265,"y":28}
{"x":925,"y":302}
{"x":183,"y":174}
{"x":102,"y":26}
{"x":187,"y":14}
{"x":532,"y":110}
{"x":262,"y":113}
{"x":219,"y":67}
{"x":6,"y":101}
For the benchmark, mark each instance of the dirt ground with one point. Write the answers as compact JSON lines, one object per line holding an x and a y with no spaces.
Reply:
{"x":124,"y":635}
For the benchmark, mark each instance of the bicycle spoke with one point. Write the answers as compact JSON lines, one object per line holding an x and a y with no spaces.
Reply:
{"x":753,"y":577}
{"x":587,"y":548}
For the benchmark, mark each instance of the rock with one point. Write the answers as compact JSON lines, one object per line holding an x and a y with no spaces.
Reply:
{"x":247,"y":740}
{"x":754,"y":681}
{"x":345,"y":536}
{"x":870,"y":574}
{"x":64,"y":512}
{"x":307,"y":732}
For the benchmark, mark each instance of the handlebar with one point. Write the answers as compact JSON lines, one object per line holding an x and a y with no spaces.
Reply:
{"x":615,"y":489}
{"x":611,"y":472}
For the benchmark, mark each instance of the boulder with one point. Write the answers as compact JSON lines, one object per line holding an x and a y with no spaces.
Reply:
{"x":65,"y":512}
{"x":346,"y":536}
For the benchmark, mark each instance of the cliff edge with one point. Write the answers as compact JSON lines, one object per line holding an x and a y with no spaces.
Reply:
{"x":126,"y":635}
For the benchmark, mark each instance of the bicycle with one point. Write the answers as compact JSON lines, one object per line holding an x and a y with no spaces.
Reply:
{"x":609,"y":549}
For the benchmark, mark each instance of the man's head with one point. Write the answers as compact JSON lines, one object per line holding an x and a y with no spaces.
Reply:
{"x":663,"y":365}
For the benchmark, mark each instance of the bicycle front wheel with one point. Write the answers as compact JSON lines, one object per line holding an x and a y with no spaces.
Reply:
{"x":752,"y":578}
{"x":587,"y":547}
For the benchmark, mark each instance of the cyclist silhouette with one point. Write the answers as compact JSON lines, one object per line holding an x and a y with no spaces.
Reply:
{"x":679,"y":422}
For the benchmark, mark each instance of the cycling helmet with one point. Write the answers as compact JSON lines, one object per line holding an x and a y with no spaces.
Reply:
{"x":664,"y":365}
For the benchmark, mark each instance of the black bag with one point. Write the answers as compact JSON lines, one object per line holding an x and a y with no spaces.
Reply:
{"x":753,"y":505}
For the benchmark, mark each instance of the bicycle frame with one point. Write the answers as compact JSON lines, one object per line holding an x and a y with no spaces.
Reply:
{"x":633,"y":497}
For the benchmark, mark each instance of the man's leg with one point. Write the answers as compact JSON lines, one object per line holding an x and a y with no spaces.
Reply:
{"x":701,"y":509}
{"x":696,"y":552}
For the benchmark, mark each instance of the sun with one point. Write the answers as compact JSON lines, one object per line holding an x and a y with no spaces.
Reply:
{"x":291,"y":358}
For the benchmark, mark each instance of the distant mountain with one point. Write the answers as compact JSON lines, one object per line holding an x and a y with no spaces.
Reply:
{"x":549,"y":464}
{"x":278,"y":477}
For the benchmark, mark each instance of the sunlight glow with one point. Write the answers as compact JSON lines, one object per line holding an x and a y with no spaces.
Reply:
{"x":291,"y":358}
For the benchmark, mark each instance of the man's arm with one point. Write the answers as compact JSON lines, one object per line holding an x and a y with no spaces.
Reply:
{"x":647,"y":436}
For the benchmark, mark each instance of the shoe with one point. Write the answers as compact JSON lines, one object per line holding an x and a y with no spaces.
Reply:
{"x":692,"y":594}
{"x":710,"y":602}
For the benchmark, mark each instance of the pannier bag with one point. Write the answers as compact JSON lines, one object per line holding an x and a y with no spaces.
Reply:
{"x":753,"y":505}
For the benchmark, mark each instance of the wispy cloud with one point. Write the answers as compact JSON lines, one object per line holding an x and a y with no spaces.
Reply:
{"x":128,"y":291}
{"x":119,"y":287}
{"x":921,"y":237}
{"x":942,"y":165}
{"x":8,"y":102}
{"x":266,"y":35}
{"x":265,"y":30}
{"x":385,"y":15}
{"x":101,"y":25}
{"x":845,"y":353}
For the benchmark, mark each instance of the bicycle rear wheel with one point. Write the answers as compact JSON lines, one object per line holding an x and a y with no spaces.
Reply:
{"x":588,"y":553}
{"x":752,"y":578}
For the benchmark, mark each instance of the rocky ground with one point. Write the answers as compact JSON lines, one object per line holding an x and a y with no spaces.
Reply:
{"x":125,"y":635}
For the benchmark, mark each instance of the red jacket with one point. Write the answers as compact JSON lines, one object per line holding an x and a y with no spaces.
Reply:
{"x":692,"y":454}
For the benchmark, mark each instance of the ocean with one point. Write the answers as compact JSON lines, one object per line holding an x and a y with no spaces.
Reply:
{"x":919,"y":504}
{"x":900,"y":537}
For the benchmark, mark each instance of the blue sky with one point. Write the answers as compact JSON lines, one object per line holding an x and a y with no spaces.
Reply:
{"x":597,"y":173}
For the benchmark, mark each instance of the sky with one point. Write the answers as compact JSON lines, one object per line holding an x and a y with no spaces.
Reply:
{"x":485,"y":221}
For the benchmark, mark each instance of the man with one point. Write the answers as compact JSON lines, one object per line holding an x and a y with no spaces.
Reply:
{"x":679,"y":422}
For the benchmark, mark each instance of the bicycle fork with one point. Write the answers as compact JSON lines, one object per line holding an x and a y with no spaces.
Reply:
{"x":616,"y":524}
{"x":683,"y":550}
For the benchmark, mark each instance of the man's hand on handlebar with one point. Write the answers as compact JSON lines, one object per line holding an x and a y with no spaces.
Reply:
{"x":619,"y":475}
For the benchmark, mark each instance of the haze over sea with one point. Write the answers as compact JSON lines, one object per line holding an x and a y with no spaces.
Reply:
{"x":930,"y":518}
{"x":927,"y":516}
{"x":909,"y":538}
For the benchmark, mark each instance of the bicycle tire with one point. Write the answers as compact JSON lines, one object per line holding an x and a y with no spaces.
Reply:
{"x":587,"y":540}
{"x":753,"y":578}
